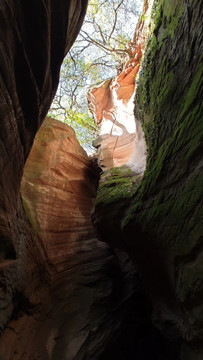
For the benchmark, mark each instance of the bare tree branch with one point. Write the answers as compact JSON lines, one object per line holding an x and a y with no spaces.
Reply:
{"x":102,"y":46}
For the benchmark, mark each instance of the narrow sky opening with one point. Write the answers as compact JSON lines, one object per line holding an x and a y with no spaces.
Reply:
{"x":99,"y":52}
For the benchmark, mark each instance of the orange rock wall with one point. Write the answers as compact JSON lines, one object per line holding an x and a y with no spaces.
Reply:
{"x":68,"y":315}
{"x":58,"y":190}
{"x":121,"y":139}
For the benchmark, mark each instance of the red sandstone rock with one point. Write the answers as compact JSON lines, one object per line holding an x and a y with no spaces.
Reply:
{"x":57,"y":285}
{"x":58,"y":190}
{"x":63,"y":312}
{"x":34,"y":38}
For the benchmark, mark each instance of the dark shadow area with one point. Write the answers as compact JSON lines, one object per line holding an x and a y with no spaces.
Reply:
{"x":139,"y":339}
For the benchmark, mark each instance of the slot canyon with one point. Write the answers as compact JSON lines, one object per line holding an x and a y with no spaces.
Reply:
{"x":101,"y":256}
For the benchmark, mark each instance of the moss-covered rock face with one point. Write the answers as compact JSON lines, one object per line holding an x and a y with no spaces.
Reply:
{"x":160,"y":223}
{"x":116,"y":188}
{"x":116,"y":184}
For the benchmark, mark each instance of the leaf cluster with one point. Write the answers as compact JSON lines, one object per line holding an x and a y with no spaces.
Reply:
{"x":99,"y":52}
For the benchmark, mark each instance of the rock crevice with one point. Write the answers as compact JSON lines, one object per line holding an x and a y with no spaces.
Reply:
{"x":63,"y":293}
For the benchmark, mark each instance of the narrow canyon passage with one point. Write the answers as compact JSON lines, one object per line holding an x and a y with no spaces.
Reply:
{"x":102,"y":265}
{"x":59,"y":191}
{"x":97,"y":297}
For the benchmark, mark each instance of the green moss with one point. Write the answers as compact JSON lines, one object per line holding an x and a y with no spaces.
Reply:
{"x":157,"y":15}
{"x":116,"y":184}
{"x":193,"y":91}
{"x":173,"y":8}
{"x":172,"y":125}
{"x":165,"y":205}
{"x":29,"y":215}
{"x":167,"y":14}
{"x":153,"y":44}
{"x":153,"y":95}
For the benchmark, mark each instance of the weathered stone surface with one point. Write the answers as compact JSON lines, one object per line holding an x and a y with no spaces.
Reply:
{"x":112,"y":106}
{"x":52,"y":304}
{"x":79,"y":290}
{"x":58,"y":190}
{"x":160,"y":223}
{"x":78,"y":299}
{"x":121,"y":139}
{"x":34,"y":37}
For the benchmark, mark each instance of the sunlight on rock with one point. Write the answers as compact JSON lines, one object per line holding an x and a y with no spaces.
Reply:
{"x":121,"y":138}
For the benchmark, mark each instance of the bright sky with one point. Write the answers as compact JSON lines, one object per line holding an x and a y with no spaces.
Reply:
{"x":77,"y":78}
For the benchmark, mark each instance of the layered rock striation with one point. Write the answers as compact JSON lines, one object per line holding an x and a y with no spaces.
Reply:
{"x":34,"y":40}
{"x":62,"y":293}
{"x":35,"y":37}
{"x":58,"y":190}
{"x":85,"y":309}
{"x":59,"y":288}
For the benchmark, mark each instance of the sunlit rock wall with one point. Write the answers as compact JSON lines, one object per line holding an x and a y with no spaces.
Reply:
{"x":58,"y":191}
{"x":121,"y":139}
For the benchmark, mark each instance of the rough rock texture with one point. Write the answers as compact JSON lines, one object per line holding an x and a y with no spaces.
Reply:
{"x":121,"y":139}
{"x":34,"y":37}
{"x":160,"y":222}
{"x":52,"y":304}
{"x":34,"y":40}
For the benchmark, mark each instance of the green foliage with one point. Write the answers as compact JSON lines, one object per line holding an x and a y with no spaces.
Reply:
{"x":31,"y":216}
{"x":99,"y":50}
{"x":82,"y":123}
{"x":143,"y":17}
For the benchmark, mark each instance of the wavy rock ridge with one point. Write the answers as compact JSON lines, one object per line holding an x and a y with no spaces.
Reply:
{"x":58,"y":190}
{"x":52,"y":304}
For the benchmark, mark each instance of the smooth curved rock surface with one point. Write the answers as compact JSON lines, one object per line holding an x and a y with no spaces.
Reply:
{"x":80,"y":290}
{"x":58,"y":190}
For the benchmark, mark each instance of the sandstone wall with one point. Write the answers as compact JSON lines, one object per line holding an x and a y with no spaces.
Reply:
{"x":34,"y":38}
{"x":82,"y":310}
{"x":121,"y":139}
